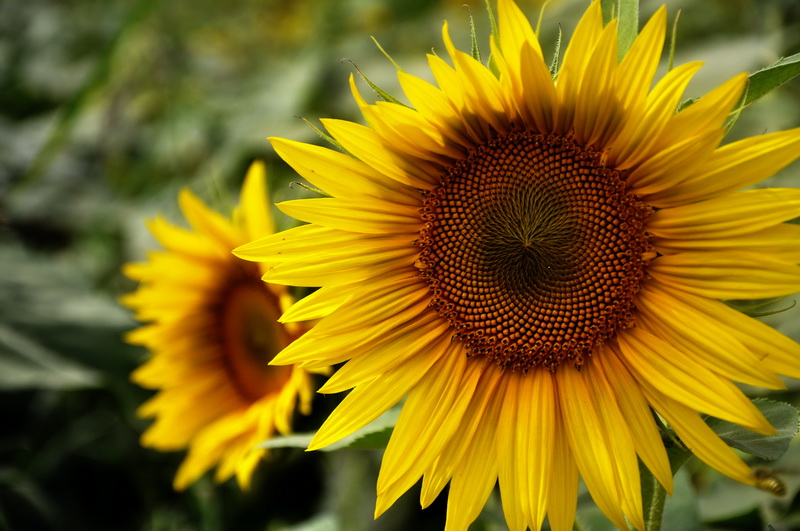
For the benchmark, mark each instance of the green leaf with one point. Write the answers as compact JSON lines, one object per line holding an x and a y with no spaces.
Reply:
{"x":373,"y":436}
{"x":295,"y":440}
{"x":374,"y":440}
{"x":99,"y":77}
{"x":681,"y":512}
{"x":770,"y":447}
{"x":27,"y":364}
{"x":764,"y":81}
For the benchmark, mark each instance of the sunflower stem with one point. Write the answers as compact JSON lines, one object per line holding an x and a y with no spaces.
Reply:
{"x":656,"y":506}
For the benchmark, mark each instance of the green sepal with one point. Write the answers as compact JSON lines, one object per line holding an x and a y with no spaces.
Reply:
{"x":490,"y":63}
{"x":628,"y":27}
{"x":627,"y":14}
{"x":385,"y":54}
{"x":673,"y":39}
{"x":476,"y":51}
{"x":609,"y":8}
{"x":541,"y":16}
{"x":556,"y":56}
{"x":325,"y":136}
{"x":310,"y":188}
{"x":379,"y":91}
{"x":686,"y":103}
{"x":492,"y":20}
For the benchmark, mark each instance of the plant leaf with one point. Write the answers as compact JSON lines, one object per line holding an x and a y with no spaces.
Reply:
{"x":373,"y":436}
{"x":771,"y":77}
{"x":770,"y":447}
{"x":27,"y":364}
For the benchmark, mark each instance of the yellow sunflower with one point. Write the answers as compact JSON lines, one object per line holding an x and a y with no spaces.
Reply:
{"x":536,"y":264}
{"x":212,"y":328}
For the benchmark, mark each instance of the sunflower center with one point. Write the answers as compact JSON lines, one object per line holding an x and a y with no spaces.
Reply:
{"x":251,"y":337}
{"x":533,"y":250}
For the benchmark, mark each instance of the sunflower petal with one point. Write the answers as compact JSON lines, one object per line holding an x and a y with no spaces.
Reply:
{"x":727,"y":275}
{"x":368,"y":401}
{"x":677,"y":375}
{"x":722,"y":217}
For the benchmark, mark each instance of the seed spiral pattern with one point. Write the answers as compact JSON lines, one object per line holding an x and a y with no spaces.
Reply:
{"x":533,"y":250}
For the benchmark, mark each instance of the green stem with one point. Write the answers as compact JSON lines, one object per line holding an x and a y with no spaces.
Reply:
{"x":656,"y":507}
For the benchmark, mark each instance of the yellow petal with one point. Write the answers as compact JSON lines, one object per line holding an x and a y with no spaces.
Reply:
{"x":476,"y":473}
{"x":414,"y":446}
{"x":635,"y":142}
{"x":254,"y":207}
{"x":703,"y":336}
{"x":639,"y":65}
{"x":341,"y":175}
{"x":432,"y":103}
{"x":697,"y":436}
{"x":727,"y":216}
{"x":679,"y":376}
{"x":508,"y":475}
{"x":779,"y":242}
{"x":562,"y":497}
{"x":776,"y":351}
{"x":576,"y":59}
{"x":208,"y":222}
{"x":736,"y":166}
{"x":637,"y":415}
{"x":727,"y":275}
{"x":483,"y":412}
{"x":366,"y":145}
{"x":597,"y":112}
{"x":390,"y":353}
{"x":374,"y":217}
{"x":592,"y":444}
{"x":368,"y":401}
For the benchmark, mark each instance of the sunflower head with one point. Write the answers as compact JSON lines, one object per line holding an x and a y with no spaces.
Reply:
{"x":211,"y":326}
{"x":535,"y":263}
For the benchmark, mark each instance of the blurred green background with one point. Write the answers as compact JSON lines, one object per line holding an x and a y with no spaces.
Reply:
{"x":108,"y":107}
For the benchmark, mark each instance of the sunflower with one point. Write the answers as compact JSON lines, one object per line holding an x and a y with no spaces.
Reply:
{"x":536,"y":265}
{"x":211,"y":328}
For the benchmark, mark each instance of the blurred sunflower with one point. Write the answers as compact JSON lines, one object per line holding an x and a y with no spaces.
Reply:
{"x":535,"y":264}
{"x":212,"y":328}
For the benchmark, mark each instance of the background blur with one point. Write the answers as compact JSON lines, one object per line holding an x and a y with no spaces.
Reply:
{"x":108,"y":107}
